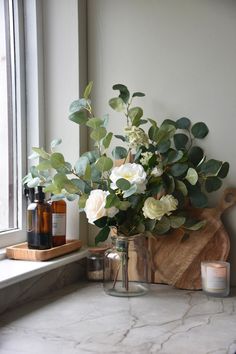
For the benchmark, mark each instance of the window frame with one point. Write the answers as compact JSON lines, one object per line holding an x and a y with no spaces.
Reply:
{"x":30,"y":102}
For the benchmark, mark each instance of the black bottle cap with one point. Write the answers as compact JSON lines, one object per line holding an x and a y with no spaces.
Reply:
{"x":40,"y":195}
{"x":29,"y":193}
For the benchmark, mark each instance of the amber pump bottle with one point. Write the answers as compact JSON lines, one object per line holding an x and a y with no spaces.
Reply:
{"x":58,"y":222}
{"x":39,"y":227}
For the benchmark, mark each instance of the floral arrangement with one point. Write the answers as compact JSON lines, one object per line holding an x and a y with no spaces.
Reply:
{"x":149,"y":181}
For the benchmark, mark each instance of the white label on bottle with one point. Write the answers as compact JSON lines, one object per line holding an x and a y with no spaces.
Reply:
{"x":216,"y":278}
{"x":58,"y":224}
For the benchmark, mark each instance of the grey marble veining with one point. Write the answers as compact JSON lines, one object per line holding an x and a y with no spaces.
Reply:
{"x":81,"y":318}
{"x":32,"y":288}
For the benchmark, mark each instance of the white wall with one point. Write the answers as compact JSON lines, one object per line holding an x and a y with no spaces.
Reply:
{"x":61,"y":85}
{"x":182,"y":54}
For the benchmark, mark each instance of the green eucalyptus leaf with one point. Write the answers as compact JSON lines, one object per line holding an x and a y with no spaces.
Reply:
{"x":138,"y":94}
{"x":180,"y":140}
{"x":78,"y":105}
{"x":57,"y":160}
{"x":183,"y":123}
{"x":162,"y":226}
{"x":59,"y":180}
{"x":194,"y":225}
{"x":135,"y":115}
{"x":82,"y":201}
{"x":196,"y":155}
{"x":211,"y":167}
{"x":92,"y":156}
{"x":123,"y":184}
{"x":198,"y":199}
{"x":130,"y":191}
{"x":169,"y":121}
{"x":142,"y":121}
{"x":123,"y":205}
{"x":199,"y":130}
{"x":107,"y":140}
{"x":50,"y":188}
{"x":119,"y":152}
{"x":95,"y":174}
{"x":94,"y":122}
{"x":34,"y":182}
{"x":153,"y":122}
{"x":44,"y":165}
{"x":41,"y":152}
{"x":71,"y":197}
{"x":117,"y":104}
{"x":88,"y":90}
{"x":223,"y":170}
{"x":34,"y":171}
{"x":177,"y":194}
{"x":164,"y":146}
{"x":192,"y":176}
{"x":121,"y":137}
{"x":112,"y":200}
{"x":102,"y":235}
{"x":98,"y":134}
{"x":66,"y":169}
{"x":27,"y":178}
{"x":79,"y":117}
{"x":180,"y":186}
{"x":87,"y":175}
{"x":101,"y":222}
{"x":33,"y":156}
{"x":178,"y":169}
{"x":174,"y":156}
{"x":165,"y":132}
{"x":104,"y":164}
{"x":55,"y":143}
{"x":81,"y":165}
{"x":150,"y":224}
{"x":124,"y":92}
{"x":153,"y":133}
{"x":212,"y":184}
{"x":79,"y":183}
{"x":176,"y":221}
{"x":105,"y":120}
{"x":70,"y":187}
{"x":170,"y":182}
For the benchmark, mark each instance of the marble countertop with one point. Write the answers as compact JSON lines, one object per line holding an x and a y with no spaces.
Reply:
{"x":81,"y":318}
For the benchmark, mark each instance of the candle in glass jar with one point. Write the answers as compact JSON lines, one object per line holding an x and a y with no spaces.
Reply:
{"x":215,"y":278}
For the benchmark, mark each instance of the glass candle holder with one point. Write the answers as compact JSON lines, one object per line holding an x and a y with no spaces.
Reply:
{"x":95,"y":263}
{"x":215,"y":278}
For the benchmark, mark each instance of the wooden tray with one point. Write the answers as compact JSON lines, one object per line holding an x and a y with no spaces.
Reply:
{"x":22,"y":252}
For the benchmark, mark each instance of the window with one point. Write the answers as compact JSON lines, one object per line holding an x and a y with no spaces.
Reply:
{"x":12,"y":126}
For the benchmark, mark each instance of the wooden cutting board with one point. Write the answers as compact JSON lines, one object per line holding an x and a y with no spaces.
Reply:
{"x":176,"y":258}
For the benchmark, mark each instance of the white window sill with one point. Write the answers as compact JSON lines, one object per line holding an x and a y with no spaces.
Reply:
{"x":13,"y":271}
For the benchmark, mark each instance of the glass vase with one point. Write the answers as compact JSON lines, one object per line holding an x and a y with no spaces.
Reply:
{"x":126,"y":266}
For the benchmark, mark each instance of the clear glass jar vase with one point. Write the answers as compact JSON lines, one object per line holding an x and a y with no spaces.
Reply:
{"x":126,"y":266}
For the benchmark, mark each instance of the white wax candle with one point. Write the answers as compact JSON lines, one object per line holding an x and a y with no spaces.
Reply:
{"x":215,"y":278}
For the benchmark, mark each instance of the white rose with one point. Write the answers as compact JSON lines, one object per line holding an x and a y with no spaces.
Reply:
{"x":132,"y":172}
{"x":153,"y":209}
{"x":95,"y":206}
{"x":169,"y":203}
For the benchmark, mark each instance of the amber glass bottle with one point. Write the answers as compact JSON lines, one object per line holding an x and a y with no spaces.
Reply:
{"x":39,"y":227}
{"x":58,"y":222}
